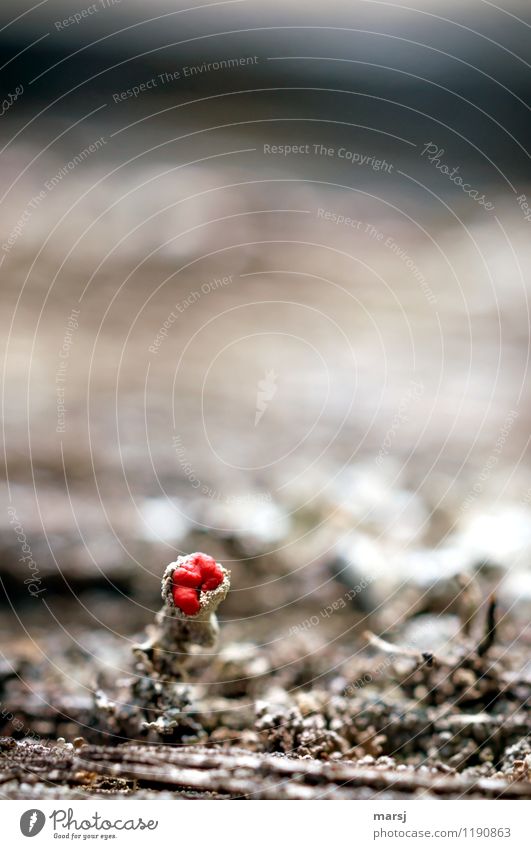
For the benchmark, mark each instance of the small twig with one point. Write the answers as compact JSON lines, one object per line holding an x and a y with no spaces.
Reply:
{"x":489,"y":637}
{"x":469,"y":601}
{"x":388,"y":648}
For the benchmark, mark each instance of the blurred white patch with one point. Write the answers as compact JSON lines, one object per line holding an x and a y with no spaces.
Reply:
{"x":499,"y":535}
{"x":256,"y":523}
{"x":162,"y":521}
{"x":375,"y":501}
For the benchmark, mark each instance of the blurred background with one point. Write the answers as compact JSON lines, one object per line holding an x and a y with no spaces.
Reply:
{"x":248,"y":307}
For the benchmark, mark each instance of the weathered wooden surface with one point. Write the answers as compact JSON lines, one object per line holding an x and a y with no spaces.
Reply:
{"x":237,"y":774}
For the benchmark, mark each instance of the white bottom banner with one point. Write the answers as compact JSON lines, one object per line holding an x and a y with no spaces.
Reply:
{"x":281,"y":824}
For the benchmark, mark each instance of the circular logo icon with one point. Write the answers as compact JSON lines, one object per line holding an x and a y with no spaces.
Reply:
{"x":31,"y":822}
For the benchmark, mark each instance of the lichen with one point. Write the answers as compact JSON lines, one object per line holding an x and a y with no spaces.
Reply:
{"x":157,"y":701}
{"x":176,"y":635}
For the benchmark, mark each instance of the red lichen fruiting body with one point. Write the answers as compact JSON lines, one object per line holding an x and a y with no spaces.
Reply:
{"x":200,"y":560}
{"x":198,"y":572}
{"x":210,"y":572}
{"x":212,"y":577}
{"x":187,"y":600}
{"x":187,"y":575}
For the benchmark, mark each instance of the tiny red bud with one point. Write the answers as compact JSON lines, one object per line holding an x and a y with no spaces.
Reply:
{"x":197,"y":572}
{"x":187,"y":575}
{"x":187,"y":600}
{"x":201,"y":560}
{"x":212,"y":576}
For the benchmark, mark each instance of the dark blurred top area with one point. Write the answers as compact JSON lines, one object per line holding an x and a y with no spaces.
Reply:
{"x":438,"y":57}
